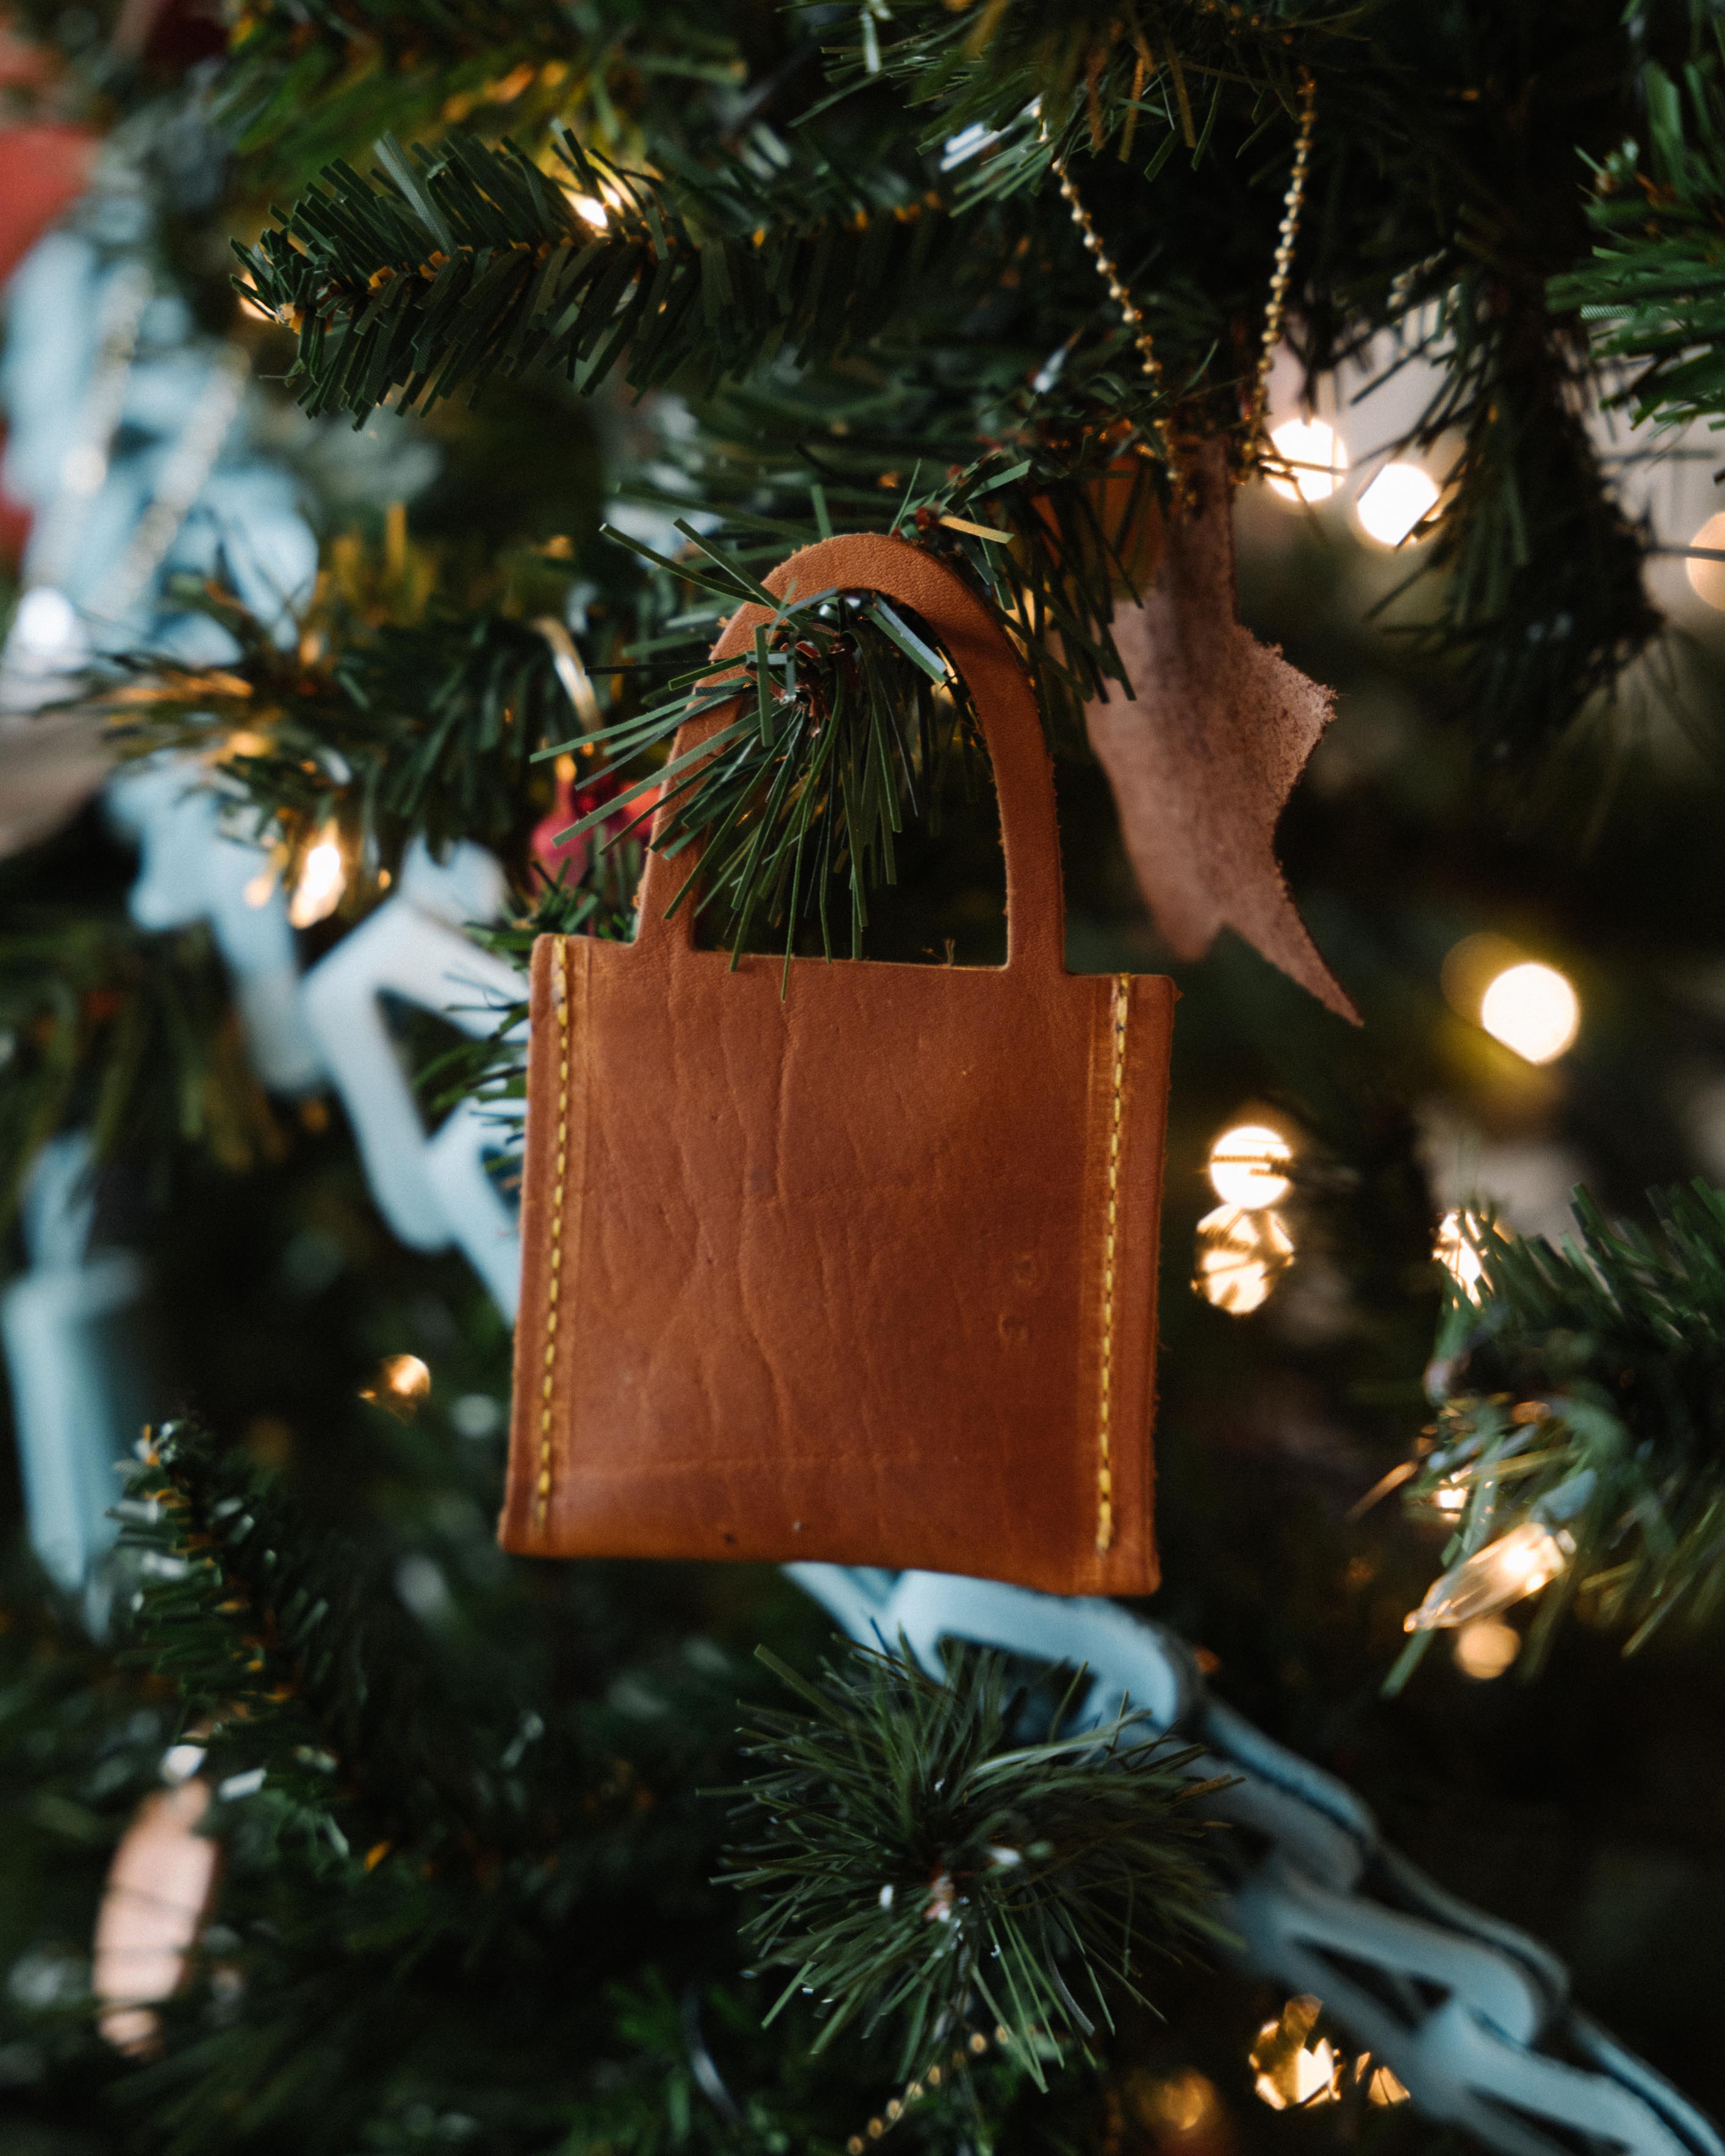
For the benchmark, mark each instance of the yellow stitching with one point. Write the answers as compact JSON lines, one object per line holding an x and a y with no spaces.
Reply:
{"x":560,"y":999}
{"x":1105,"y":1462}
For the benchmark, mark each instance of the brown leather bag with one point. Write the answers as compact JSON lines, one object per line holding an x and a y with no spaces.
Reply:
{"x":866,"y":1273}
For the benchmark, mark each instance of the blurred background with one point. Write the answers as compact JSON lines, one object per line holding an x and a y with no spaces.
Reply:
{"x":1539,"y":957}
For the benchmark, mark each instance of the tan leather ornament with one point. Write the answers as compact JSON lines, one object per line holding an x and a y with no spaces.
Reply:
{"x":866,"y":1273}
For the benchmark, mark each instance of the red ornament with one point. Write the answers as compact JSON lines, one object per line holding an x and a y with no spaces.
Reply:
{"x":567,"y":861}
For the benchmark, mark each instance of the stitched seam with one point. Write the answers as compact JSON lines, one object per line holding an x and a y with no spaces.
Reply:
{"x":1105,"y":1458}
{"x":560,"y":999}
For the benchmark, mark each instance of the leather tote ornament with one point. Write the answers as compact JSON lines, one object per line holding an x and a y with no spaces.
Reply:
{"x":865,"y":1271}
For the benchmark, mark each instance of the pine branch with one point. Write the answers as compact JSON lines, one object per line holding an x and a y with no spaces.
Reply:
{"x":310,"y":80}
{"x":1059,"y":514}
{"x":1655,"y":286}
{"x":449,"y":267}
{"x":405,"y":707}
{"x":1585,"y":1391}
{"x":843,"y":720}
{"x":920,"y":1867}
{"x":1542,"y":603}
{"x":301,"y":1672}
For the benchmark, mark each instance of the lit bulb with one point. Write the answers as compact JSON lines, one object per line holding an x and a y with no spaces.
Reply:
{"x":1456,"y":1253}
{"x":1450,"y":1497}
{"x":592,"y":210}
{"x":1707,"y":578}
{"x":1486,"y":1648}
{"x":1317,"y":457}
{"x":1243,"y":1165}
{"x":323,"y":878}
{"x":1240,"y":1256}
{"x":1519,"y":1563}
{"x":1185,"y":2103}
{"x":1395,"y":502}
{"x":402,"y":1383}
{"x":46,"y":625}
{"x":160,"y":1882}
{"x":1532,"y":1009}
{"x":1291,"y":2073}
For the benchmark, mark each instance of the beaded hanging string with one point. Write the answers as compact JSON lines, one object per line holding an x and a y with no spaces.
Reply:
{"x":1255,"y":402}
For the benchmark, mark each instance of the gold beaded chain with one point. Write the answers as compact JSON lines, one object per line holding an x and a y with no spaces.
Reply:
{"x":1256,"y":403}
{"x":1292,"y":203}
{"x":963,"y":2055}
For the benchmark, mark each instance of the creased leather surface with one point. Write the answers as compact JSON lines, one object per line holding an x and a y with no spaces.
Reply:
{"x":834,"y":1277}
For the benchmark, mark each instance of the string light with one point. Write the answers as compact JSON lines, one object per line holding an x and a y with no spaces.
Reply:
{"x":1395,"y":502}
{"x":1486,"y":1648}
{"x":1292,"y":2074}
{"x":1532,"y":1008}
{"x":1186,"y":2102}
{"x":323,"y":878}
{"x":1241,"y":1255}
{"x":1455,"y":1252}
{"x":1245,"y":1165}
{"x":1315,"y":457}
{"x":403,"y":1384}
{"x":152,"y":1908}
{"x":46,"y":623}
{"x":589,"y":209}
{"x":1517,"y":1564}
{"x":1707,"y":579}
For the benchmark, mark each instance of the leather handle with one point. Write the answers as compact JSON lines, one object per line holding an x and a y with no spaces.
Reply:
{"x":1005,"y":708}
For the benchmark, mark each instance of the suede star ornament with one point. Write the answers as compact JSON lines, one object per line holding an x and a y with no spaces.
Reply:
{"x":1203,"y":755}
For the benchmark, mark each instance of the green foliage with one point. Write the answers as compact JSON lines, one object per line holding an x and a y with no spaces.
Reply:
{"x":921,"y":1867}
{"x":840,"y":714}
{"x":132,"y":1035}
{"x":1586,"y":1389}
{"x":310,"y":80}
{"x":439,"y":1870}
{"x":452,"y":266}
{"x":772,"y":267}
{"x":1656,"y":285}
{"x":1542,"y":604}
{"x":409,"y":706}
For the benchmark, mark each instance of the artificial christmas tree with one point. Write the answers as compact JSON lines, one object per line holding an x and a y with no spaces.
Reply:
{"x":528,"y":1856}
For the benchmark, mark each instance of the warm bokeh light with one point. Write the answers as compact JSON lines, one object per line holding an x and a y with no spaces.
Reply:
{"x":1456,"y":1253}
{"x":1241,"y":1255}
{"x":1245,"y":1165}
{"x":1317,"y":457}
{"x":323,"y":878}
{"x":1292,"y":2074}
{"x":1707,"y":579}
{"x":591,"y":210}
{"x":1486,"y":1648}
{"x":1532,"y":1008}
{"x":1394,"y":502}
{"x":1385,"y":2087}
{"x":1185,"y":2103}
{"x":403,"y":1384}
{"x":153,"y":1907}
{"x":1519,"y":1563}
